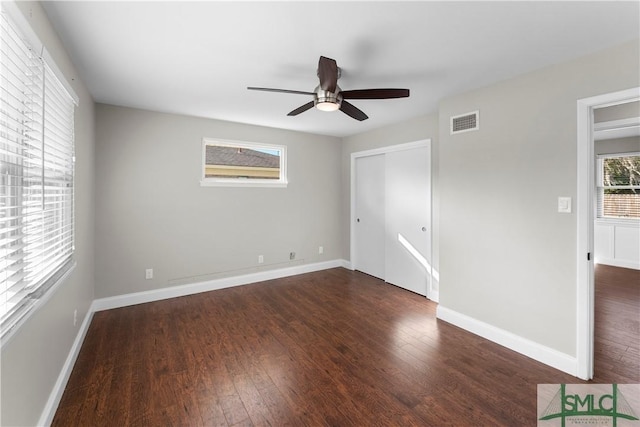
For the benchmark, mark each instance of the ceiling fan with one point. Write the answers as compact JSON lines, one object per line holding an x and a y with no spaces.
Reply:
{"x":328,"y":96}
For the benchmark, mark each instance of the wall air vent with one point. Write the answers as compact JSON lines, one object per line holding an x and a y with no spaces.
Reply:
{"x":465,"y":122}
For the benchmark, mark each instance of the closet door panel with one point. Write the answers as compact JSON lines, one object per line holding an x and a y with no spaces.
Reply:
{"x":370,"y":215}
{"x":408,"y":219}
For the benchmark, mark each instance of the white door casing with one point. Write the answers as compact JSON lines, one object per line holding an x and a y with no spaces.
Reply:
{"x":585,"y":294}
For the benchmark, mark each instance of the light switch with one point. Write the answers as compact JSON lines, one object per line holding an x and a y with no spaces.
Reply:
{"x":564,"y":204}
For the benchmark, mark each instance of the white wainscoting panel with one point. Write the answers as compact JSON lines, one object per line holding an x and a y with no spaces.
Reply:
{"x":617,"y":243}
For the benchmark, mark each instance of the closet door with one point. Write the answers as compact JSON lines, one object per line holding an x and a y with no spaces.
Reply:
{"x":370,"y":215}
{"x":408,"y":219}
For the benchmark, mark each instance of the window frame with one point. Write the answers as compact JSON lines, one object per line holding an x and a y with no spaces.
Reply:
{"x":205,"y":181}
{"x":600,"y":187}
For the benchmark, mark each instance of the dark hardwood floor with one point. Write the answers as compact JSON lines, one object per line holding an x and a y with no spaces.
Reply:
{"x":617,"y":325}
{"x":334,"y":348}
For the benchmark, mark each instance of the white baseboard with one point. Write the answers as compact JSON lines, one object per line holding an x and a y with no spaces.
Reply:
{"x":46,"y":418}
{"x":635,"y":265}
{"x":433,"y":291}
{"x":434,"y":296}
{"x":534,"y":350}
{"x":347,"y":264}
{"x":209,"y":285}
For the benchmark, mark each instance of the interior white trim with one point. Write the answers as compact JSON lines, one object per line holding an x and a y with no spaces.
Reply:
{"x":209,"y":285}
{"x":622,"y":128}
{"x":622,"y":263}
{"x":532,"y":349}
{"x":607,"y":233}
{"x":391,"y":148}
{"x":585,"y":223}
{"x":40,"y":302}
{"x":49,"y":411}
{"x":347,"y":264}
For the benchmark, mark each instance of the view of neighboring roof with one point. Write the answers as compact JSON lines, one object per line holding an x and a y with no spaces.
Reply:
{"x":236,"y":156}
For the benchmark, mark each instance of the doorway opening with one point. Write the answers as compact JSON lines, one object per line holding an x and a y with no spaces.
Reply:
{"x":586,"y":213}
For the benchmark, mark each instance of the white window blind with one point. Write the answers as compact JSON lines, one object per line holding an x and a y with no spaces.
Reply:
{"x":36,"y":177}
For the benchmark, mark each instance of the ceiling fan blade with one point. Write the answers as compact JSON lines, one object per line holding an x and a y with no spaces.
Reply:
{"x":301,"y":109}
{"x":268,"y":89}
{"x":375,"y":93}
{"x":352,"y":111}
{"x":328,"y":74}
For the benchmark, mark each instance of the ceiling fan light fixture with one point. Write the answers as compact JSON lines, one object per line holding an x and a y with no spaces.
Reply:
{"x":327,"y":101}
{"x":327,"y":106}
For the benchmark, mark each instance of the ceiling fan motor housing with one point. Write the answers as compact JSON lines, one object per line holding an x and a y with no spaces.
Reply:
{"x":327,"y":101}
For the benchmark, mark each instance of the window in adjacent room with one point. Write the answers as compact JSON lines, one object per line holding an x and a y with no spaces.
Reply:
{"x":619,"y":185}
{"x":233,"y":163}
{"x":36,"y":176}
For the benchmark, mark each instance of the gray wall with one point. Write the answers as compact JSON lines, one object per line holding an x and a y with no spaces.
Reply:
{"x":507,"y":257}
{"x":152,"y":212}
{"x":419,"y":128}
{"x":34,"y":356}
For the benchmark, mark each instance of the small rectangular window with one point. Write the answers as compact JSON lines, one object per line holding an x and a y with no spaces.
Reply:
{"x":619,"y":185}
{"x":235,"y":163}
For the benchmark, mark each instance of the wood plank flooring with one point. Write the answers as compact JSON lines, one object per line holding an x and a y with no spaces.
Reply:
{"x":617,"y":325}
{"x":331,"y":348}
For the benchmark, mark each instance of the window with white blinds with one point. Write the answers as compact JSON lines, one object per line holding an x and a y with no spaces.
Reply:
{"x":36,"y":177}
{"x":618,"y":186}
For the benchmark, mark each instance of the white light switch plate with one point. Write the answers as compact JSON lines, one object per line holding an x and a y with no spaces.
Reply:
{"x":564,"y":204}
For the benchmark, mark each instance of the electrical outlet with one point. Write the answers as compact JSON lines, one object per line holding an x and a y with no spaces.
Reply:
{"x":292,"y":255}
{"x":260,"y":259}
{"x":320,"y":250}
{"x":75,"y":317}
{"x":148,"y":273}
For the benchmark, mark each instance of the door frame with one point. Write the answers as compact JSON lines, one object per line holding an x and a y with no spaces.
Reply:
{"x":585,"y":297}
{"x":423,"y":143}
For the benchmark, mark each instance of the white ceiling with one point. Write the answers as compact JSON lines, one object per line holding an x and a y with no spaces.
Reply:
{"x":197,"y":58}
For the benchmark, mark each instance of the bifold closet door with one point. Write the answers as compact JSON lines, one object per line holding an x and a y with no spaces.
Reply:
{"x":370,"y":215}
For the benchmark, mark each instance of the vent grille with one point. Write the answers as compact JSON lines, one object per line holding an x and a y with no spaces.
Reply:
{"x":465,"y":122}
